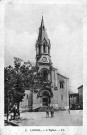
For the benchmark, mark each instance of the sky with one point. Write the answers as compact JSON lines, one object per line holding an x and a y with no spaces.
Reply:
{"x":64,"y":24}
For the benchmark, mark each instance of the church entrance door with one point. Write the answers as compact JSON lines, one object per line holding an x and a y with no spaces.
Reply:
{"x":45,"y":101}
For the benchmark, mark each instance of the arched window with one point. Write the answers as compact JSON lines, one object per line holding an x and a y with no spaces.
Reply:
{"x":48,"y":50}
{"x":45,"y":75}
{"x":62,"y":84}
{"x":44,"y":48}
{"x":39,"y":49}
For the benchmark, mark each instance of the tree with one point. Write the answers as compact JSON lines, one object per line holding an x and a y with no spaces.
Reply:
{"x":9,"y":82}
{"x":19,"y":85}
{"x":14,"y":87}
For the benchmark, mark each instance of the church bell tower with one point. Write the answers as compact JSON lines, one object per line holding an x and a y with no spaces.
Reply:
{"x":43,"y":60}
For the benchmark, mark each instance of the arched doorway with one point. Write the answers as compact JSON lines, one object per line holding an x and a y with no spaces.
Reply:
{"x":45,"y":101}
{"x":45,"y":94}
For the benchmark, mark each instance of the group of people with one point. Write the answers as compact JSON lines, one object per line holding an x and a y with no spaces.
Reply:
{"x":16,"y":112}
{"x":49,"y":111}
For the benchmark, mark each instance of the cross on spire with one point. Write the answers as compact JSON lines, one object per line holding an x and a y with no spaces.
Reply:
{"x":42,"y":14}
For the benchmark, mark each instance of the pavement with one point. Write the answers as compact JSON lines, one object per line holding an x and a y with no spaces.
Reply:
{"x":61,"y":118}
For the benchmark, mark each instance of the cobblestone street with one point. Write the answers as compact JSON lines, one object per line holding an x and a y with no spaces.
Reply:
{"x":61,"y":118}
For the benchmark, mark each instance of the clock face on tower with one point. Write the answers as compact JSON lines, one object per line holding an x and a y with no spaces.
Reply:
{"x":44,"y":59}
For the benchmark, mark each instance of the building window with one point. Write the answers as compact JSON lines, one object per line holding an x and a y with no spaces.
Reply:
{"x":61,"y":84}
{"x":61,"y":97}
{"x":45,"y":75}
{"x":44,"y":48}
{"x":39,"y":49}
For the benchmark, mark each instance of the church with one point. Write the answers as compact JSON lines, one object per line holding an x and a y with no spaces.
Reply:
{"x":57,"y":95}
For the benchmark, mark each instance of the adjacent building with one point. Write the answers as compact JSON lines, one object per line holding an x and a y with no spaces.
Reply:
{"x":80,"y":92}
{"x":73,"y":100}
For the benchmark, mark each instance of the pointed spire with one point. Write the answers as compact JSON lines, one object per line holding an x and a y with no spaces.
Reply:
{"x":42,"y":22}
{"x":42,"y":36}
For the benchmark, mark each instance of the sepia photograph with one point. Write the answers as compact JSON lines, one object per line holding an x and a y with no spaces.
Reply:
{"x":43,"y":67}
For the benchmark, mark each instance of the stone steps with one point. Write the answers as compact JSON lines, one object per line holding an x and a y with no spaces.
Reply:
{"x":40,"y":109}
{"x":43,"y":109}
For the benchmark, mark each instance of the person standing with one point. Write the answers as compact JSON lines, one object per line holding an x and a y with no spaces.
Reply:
{"x":47,"y":112}
{"x":52,"y":112}
{"x":14,"y":111}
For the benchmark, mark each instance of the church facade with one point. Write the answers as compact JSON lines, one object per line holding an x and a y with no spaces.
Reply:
{"x":57,"y":94}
